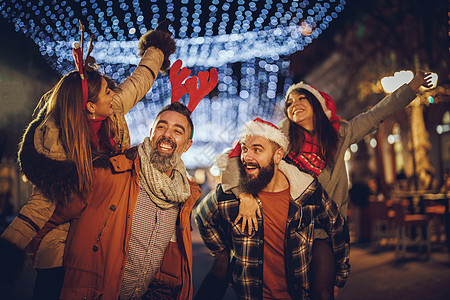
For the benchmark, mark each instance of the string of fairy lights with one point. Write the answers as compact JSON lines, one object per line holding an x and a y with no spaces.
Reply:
{"x":248,"y":42}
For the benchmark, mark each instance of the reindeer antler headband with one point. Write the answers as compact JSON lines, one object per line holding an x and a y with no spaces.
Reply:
{"x":82,"y":66}
{"x":207,"y":81}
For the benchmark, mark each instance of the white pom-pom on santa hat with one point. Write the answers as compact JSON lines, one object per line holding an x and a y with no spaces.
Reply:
{"x":259,"y":127}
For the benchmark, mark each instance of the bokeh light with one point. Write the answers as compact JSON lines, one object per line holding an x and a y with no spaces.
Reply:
{"x":248,"y":42}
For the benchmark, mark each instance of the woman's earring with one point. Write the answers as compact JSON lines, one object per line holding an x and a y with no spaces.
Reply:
{"x":93,"y":116}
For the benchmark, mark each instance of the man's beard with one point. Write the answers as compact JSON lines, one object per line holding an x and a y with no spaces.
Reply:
{"x":256,"y":185}
{"x":161,"y":162}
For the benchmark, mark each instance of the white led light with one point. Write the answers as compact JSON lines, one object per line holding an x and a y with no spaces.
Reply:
{"x":247,"y":41}
{"x":373,"y":142}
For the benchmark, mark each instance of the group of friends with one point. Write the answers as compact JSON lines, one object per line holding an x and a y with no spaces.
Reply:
{"x":110,"y":221}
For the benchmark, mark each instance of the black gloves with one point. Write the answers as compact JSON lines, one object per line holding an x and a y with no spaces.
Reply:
{"x":159,"y":38}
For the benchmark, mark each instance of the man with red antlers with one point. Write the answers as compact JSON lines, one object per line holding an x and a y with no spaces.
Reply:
{"x":130,"y":237}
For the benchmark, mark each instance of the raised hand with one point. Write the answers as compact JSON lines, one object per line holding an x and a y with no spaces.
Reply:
{"x":421,"y":79}
{"x":160,"y":38}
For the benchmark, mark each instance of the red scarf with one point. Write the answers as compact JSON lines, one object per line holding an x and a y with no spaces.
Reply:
{"x":308,"y":158}
{"x":95,"y":127}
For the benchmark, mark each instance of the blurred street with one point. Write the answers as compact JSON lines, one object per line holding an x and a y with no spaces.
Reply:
{"x":374,"y":274}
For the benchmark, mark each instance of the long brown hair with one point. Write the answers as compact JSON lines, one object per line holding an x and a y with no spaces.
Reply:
{"x":64,"y":104}
{"x":327,"y":136}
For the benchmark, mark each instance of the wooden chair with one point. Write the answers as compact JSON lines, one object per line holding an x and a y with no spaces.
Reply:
{"x":413,"y":229}
{"x":382,"y":225}
{"x":436,"y":213}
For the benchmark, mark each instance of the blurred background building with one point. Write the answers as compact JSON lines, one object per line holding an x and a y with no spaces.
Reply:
{"x":259,"y":48}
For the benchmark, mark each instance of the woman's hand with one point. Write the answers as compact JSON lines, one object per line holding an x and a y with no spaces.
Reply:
{"x":421,"y":78}
{"x":248,"y":210}
{"x":160,"y":38}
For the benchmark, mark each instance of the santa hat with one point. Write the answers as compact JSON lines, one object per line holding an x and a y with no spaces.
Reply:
{"x":259,"y":127}
{"x":327,"y":103}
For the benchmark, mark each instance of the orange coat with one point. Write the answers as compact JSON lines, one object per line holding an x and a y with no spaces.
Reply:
{"x":97,"y":245}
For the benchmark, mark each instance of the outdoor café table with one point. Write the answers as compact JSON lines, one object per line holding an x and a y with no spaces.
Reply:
{"x":441,"y":199}
{"x":413,"y":198}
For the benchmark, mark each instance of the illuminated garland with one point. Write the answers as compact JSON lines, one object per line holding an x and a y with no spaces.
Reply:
{"x":247,"y":41}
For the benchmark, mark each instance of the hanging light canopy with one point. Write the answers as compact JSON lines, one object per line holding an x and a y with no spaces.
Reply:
{"x":248,"y":42}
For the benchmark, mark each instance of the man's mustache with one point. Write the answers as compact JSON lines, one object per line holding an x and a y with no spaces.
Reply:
{"x":251,"y":164}
{"x":164,"y":139}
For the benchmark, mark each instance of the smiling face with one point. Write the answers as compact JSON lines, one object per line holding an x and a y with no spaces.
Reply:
{"x":171,"y":134}
{"x":259,"y":157}
{"x":103,"y":107}
{"x":257,"y":152}
{"x":300,"y":111}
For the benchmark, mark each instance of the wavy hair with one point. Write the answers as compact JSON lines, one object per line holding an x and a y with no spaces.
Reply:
{"x":64,"y":103}
{"x":327,"y":136}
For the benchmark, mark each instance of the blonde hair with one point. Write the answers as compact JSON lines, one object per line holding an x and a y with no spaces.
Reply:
{"x":64,"y":103}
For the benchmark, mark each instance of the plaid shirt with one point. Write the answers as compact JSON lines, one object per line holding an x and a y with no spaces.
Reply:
{"x":151,"y":231}
{"x":309,"y":208}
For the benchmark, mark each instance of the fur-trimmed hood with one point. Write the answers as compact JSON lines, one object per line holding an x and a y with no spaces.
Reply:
{"x":56,"y":179}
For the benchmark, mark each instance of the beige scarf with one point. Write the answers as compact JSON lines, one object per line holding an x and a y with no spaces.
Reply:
{"x":162,"y":190}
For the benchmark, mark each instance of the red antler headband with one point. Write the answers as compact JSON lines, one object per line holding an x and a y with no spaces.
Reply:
{"x":77,"y":53}
{"x":207,"y":81}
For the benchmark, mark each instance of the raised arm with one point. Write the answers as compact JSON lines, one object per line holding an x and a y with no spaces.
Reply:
{"x":155,"y":47}
{"x":370,"y":120}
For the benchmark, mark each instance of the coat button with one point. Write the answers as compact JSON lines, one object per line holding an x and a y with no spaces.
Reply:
{"x":95,"y":248}
{"x":112,"y":207}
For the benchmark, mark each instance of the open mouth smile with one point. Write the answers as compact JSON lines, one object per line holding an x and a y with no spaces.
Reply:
{"x":166,"y":146}
{"x":251,"y":168}
{"x":297,"y":110}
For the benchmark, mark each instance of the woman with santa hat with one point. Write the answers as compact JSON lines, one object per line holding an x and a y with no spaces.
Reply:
{"x":318,"y":141}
